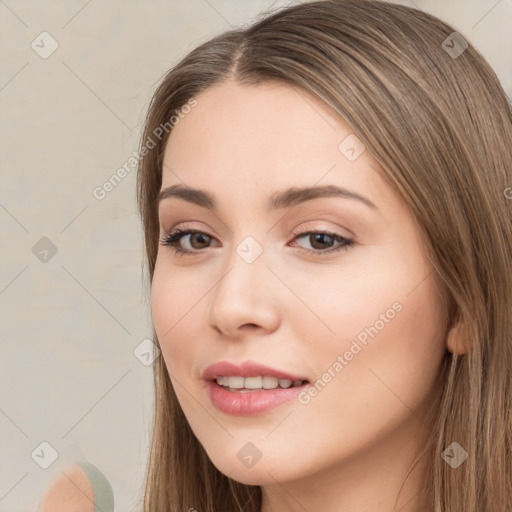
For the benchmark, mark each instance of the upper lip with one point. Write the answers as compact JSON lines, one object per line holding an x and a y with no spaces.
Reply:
{"x":246,"y":369}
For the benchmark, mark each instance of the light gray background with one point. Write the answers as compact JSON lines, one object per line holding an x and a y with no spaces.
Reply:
{"x":68,"y":122}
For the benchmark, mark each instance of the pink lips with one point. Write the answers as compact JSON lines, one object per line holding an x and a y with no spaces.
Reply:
{"x":253,"y":402}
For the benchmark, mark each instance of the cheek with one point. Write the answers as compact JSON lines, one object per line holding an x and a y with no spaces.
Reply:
{"x":390,"y":336}
{"x":375,"y":341}
{"x":176,"y":300}
{"x":386,"y":300}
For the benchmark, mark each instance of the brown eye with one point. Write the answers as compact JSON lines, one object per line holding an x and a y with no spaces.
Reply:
{"x":193,"y":240}
{"x":319,"y":240}
{"x":199,"y":240}
{"x":322,"y":242}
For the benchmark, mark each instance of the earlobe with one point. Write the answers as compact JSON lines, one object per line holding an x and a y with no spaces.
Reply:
{"x":457,"y":339}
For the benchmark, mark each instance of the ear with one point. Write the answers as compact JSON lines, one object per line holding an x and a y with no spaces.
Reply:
{"x":457,"y":339}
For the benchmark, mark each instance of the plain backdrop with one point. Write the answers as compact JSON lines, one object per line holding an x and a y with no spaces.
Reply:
{"x":73,"y":307}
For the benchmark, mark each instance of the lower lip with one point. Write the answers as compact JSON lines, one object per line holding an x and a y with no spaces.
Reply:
{"x":250,"y":403}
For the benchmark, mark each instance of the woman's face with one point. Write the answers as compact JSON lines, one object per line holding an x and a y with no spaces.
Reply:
{"x":360,"y":321}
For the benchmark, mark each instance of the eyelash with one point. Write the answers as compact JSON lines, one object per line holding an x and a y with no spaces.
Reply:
{"x":173,"y":238}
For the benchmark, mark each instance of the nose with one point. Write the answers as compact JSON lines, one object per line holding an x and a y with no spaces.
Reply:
{"x":245,"y":299}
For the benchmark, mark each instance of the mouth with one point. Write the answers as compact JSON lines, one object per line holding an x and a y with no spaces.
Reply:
{"x":250,"y":388}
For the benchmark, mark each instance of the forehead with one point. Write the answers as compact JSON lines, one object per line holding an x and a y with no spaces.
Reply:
{"x":231,"y":121}
{"x":264,"y":137}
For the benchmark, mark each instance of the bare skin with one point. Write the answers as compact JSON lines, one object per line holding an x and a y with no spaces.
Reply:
{"x":71,"y":492}
{"x":350,"y":447}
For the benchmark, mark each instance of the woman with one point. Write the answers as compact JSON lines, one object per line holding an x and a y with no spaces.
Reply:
{"x":325,"y":198}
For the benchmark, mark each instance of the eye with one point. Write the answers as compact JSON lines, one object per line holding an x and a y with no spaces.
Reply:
{"x":196,"y":240}
{"x":321,"y":240}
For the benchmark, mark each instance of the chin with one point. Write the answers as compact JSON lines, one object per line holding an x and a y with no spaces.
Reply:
{"x":263,"y":472}
{"x":249,"y":476}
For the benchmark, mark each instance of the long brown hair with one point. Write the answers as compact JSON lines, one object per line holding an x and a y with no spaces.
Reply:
{"x":434,"y":115}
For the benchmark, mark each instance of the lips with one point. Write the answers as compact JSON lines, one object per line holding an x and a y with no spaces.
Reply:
{"x":250,"y":402}
{"x":247,"y":369}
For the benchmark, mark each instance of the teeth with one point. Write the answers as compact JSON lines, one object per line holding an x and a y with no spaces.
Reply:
{"x":266,"y":382}
{"x":236,"y":382}
{"x":270,"y":382}
{"x":222,"y":381}
{"x":253,"y":382}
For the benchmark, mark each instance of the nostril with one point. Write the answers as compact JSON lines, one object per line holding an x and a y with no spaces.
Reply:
{"x":250,"y":325}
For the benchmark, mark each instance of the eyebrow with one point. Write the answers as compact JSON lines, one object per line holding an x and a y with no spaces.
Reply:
{"x":284,"y":199}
